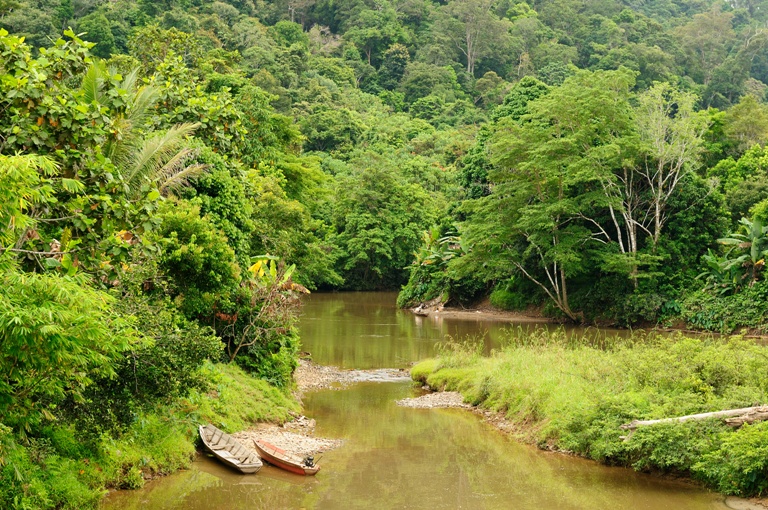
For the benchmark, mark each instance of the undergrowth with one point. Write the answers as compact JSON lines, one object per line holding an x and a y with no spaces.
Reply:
{"x":59,"y":468}
{"x":574,"y":394}
{"x":728,"y":313}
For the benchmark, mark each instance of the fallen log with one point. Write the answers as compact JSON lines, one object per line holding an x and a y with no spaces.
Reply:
{"x":750,"y":411}
{"x":747,"y":418}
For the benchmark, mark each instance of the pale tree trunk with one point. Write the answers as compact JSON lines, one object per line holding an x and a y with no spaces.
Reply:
{"x":555,"y":287}
{"x":556,"y":290}
{"x":469,"y":54}
{"x":745,"y":415}
{"x":673,"y":133}
{"x":620,"y":189}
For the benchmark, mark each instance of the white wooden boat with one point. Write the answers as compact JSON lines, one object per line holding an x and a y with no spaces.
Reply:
{"x":229,"y":451}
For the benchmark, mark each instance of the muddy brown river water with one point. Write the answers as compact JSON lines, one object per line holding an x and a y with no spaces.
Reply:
{"x":401,"y":458}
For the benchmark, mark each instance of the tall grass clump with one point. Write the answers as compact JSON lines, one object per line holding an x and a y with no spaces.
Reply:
{"x":572,"y":393}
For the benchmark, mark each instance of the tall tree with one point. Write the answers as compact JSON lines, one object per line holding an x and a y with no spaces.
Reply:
{"x":548,"y":170}
{"x":746,"y":123}
{"x":705,"y":43}
{"x":472,"y":27}
{"x":375,"y":30}
{"x":393,"y":66}
{"x":672,"y":135}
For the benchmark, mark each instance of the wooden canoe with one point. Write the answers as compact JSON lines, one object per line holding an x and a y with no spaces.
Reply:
{"x":228,"y":450}
{"x":285,"y":460}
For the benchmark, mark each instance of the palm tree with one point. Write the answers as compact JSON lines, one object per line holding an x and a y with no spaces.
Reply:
{"x":140,"y":155}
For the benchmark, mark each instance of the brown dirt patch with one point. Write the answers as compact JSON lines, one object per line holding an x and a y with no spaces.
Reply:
{"x":481,"y":311}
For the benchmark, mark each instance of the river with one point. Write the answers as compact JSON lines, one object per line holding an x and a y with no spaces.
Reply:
{"x":402,"y":458}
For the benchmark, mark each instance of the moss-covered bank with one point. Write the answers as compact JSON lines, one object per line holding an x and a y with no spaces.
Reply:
{"x":567,"y":395}
{"x":63,"y":469}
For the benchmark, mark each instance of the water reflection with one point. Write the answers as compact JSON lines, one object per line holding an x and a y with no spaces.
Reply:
{"x":366,"y":330}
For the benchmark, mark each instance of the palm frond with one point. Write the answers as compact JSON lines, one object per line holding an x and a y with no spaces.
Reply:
{"x":130,"y":80}
{"x":128,"y":124}
{"x":91,"y":84}
{"x":153,"y":154}
{"x":173,"y":182}
{"x":142,"y":105}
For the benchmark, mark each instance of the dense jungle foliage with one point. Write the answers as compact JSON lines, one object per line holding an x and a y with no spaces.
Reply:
{"x":174,"y":175}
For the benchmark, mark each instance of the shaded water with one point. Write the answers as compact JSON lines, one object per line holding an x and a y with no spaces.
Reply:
{"x":398,"y":458}
{"x":366,"y":330}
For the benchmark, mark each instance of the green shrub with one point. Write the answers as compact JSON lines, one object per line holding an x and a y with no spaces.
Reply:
{"x":59,"y":468}
{"x":726,"y":314}
{"x":273,"y":362}
{"x":37,"y":477}
{"x":195,"y":258}
{"x":738,"y":464}
{"x":58,"y":335}
{"x":154,"y":444}
{"x":508,"y":300}
{"x":155,"y":373}
{"x":425,"y":283}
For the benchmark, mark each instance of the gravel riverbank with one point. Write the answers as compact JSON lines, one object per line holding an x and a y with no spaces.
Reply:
{"x":297,"y":435}
{"x":440,"y":399}
{"x":294,"y":437}
{"x":310,"y":376}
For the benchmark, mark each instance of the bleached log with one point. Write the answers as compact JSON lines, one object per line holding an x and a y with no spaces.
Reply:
{"x":702,"y":416}
{"x":747,"y":418}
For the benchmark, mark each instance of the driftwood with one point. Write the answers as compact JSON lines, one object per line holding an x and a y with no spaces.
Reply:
{"x":759,"y":414}
{"x":744,"y":415}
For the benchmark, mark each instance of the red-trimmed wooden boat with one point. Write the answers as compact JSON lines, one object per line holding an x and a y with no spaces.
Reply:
{"x":229,"y":450}
{"x":285,"y":460}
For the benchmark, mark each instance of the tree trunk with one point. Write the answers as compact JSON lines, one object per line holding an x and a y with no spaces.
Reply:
{"x":752,"y":413}
{"x":564,"y":296}
{"x":470,"y":54}
{"x":657,"y":211}
{"x":750,"y":417}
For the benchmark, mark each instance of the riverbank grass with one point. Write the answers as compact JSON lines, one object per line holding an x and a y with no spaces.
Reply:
{"x":570,"y":395}
{"x":63,"y":469}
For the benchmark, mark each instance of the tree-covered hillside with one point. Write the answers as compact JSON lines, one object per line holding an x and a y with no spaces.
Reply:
{"x":175,"y":174}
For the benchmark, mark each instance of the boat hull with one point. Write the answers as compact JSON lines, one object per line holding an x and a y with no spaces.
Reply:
{"x":284,"y":460}
{"x":229,"y":451}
